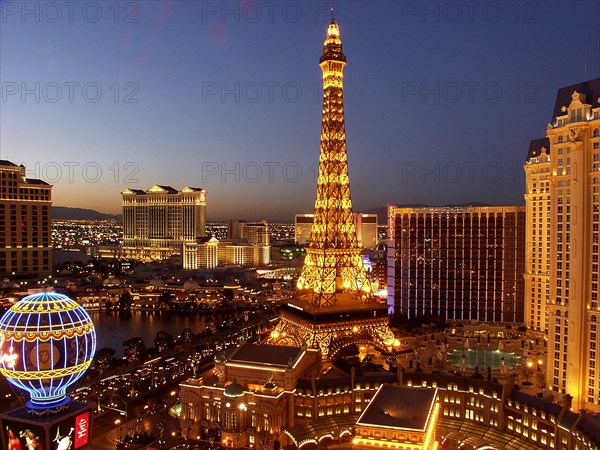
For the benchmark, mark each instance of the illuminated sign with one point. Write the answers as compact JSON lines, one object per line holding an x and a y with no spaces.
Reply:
{"x":72,"y":433}
{"x":20,"y":436}
{"x":82,"y":429}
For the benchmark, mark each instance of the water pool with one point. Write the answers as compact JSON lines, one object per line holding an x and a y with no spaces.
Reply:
{"x":483,"y":358}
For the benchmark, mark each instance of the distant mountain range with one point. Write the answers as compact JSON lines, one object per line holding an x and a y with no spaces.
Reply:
{"x":65,"y":213}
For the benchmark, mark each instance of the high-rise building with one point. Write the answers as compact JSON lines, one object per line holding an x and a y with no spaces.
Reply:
{"x":457,"y":263}
{"x":248,"y":245}
{"x":255,"y":233}
{"x":302,"y":226}
{"x":366,"y":229}
{"x":25,"y":222}
{"x":159,"y":221}
{"x":333,"y":306}
{"x":202,"y":254}
{"x":537,"y":236}
{"x":564,"y":170}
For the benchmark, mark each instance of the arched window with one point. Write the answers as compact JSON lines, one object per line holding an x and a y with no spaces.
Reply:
{"x":596,"y":132}
{"x":560,"y":139}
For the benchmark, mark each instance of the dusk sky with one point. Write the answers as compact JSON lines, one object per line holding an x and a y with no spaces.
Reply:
{"x":441,"y":98}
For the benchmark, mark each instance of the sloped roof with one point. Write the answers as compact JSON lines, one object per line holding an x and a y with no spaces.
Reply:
{"x":590,"y":88}
{"x":159,"y":188}
{"x":36,"y":181}
{"x":538,"y":403}
{"x":268,"y":355}
{"x":399,"y":407}
{"x":535,"y":147}
{"x":590,"y":426}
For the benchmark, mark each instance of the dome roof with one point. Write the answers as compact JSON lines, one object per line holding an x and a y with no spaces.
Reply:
{"x":190,"y":285}
{"x":112,"y":281}
{"x":234,"y":390}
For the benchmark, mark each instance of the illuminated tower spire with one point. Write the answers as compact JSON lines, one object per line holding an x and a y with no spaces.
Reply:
{"x":333,"y":307}
{"x":333,"y":266}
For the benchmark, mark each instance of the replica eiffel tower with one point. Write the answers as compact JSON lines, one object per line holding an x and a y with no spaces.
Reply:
{"x":333,"y":306}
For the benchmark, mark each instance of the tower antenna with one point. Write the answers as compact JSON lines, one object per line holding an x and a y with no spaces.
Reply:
{"x":332,"y":17}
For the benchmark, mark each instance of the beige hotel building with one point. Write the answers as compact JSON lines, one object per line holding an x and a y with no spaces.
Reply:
{"x":25,"y":222}
{"x":563,"y":219}
{"x":158,"y":222}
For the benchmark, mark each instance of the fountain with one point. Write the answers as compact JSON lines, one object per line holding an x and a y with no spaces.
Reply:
{"x":488,"y":357}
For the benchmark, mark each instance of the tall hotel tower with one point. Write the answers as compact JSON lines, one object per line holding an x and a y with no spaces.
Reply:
{"x":457,"y":263}
{"x":159,"y":221}
{"x":333,"y":306}
{"x":25,"y":222}
{"x":563,"y":208}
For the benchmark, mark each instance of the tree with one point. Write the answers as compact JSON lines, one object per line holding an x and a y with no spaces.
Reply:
{"x":187,"y":335}
{"x":134,"y":348}
{"x":125,"y":301}
{"x":227,"y":297}
{"x":105,"y":359}
{"x":163,"y":341}
{"x":165,"y":300}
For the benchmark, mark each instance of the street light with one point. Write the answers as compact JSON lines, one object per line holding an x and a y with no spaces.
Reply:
{"x":241,"y":426}
{"x":528,"y":371}
{"x":123,"y":412}
{"x":118,"y":423}
{"x":529,"y":364}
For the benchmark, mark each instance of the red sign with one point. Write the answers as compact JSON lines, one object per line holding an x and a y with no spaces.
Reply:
{"x":82,"y":429}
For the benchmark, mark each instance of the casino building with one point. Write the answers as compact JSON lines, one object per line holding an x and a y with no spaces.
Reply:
{"x":25,"y":222}
{"x":158,"y":222}
{"x":562,"y":173}
{"x":457,"y":263}
{"x":270,"y":396}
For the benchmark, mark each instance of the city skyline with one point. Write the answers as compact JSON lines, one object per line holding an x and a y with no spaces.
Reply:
{"x":189,"y":90}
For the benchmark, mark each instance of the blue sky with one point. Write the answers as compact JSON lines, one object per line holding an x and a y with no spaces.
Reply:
{"x":441,"y":98}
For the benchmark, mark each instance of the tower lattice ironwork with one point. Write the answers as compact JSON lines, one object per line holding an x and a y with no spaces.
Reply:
{"x":334,"y":305}
{"x":333,"y":263}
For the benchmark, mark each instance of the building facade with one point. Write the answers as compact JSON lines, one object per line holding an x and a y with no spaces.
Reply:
{"x":248,"y":245}
{"x":25,"y":223}
{"x":366,"y":229}
{"x":302,"y":226}
{"x":399,"y":417}
{"x":255,"y":233}
{"x":265,"y":397}
{"x":537,"y":235}
{"x":569,"y":166}
{"x":457,"y":263}
{"x":159,"y":221}
{"x":248,"y":399}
